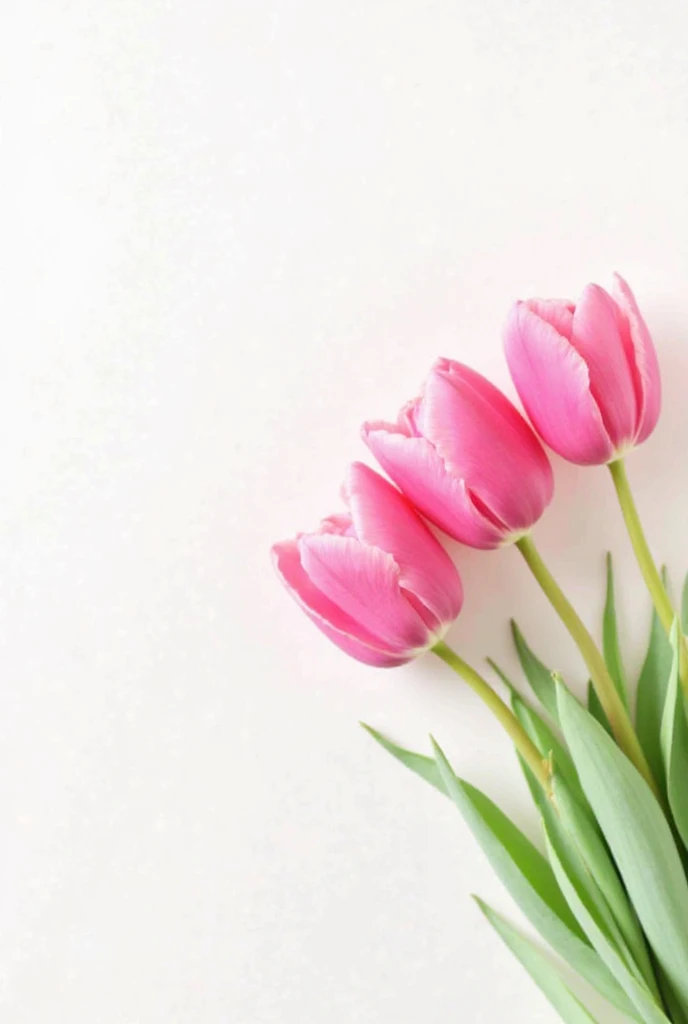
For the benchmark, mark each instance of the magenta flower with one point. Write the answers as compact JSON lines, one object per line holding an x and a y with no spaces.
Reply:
{"x":587,"y":373}
{"x":374,"y":580}
{"x":466,"y":458}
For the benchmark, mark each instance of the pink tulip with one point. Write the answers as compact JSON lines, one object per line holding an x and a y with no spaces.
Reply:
{"x":466,"y":458}
{"x":374,"y":580}
{"x":587,"y":374}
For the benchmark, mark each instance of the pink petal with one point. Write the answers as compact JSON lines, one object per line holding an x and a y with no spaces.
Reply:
{"x":557,"y":312}
{"x":384,"y":518}
{"x":364,"y":582}
{"x":553,"y":383}
{"x":597,"y":340}
{"x":418,"y":470}
{"x":347,"y":634}
{"x":483,"y":439}
{"x":642,"y":358}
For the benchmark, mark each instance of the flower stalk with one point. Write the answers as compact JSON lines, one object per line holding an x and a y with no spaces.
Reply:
{"x":504,"y":715}
{"x":646,"y":563}
{"x":611,"y":702}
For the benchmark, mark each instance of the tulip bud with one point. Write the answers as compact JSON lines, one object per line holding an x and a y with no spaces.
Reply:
{"x":466,"y":458}
{"x":374,"y":580}
{"x":587,"y":373}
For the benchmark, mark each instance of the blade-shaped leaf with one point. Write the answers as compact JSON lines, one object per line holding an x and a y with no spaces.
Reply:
{"x":684,"y":606}
{"x":595,"y":708}
{"x":537,"y":674}
{"x":651,"y":697}
{"x":610,"y":637}
{"x":425,"y":767}
{"x":545,"y":976}
{"x":650,"y":1012}
{"x":530,"y":881}
{"x":561,"y":838}
{"x":594,"y":855}
{"x":638,"y":836}
{"x":547,"y":742}
{"x":675,"y":746}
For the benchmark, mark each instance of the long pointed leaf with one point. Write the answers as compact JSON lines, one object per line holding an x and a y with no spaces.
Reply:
{"x":650,"y":1012}
{"x":537,"y":674}
{"x":425,"y":767}
{"x":593,"y":852}
{"x":675,"y":746}
{"x":651,"y":697}
{"x":545,"y":976}
{"x":610,"y":637}
{"x":530,"y":881}
{"x":638,"y":836}
{"x":547,"y":742}
{"x":595,"y":708}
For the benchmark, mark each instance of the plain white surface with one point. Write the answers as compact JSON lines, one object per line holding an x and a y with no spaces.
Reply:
{"x":231,"y":232}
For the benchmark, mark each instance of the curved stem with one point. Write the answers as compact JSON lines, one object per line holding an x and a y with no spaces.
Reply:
{"x":506,"y":718}
{"x":614,"y":708}
{"x":648,"y":568}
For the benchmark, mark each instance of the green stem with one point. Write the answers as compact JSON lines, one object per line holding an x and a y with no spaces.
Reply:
{"x":506,"y":718}
{"x":614,"y":708}
{"x":646,"y":562}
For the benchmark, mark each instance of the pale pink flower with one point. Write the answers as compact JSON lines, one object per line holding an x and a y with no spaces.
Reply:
{"x":374,"y":579}
{"x":466,"y":458}
{"x":587,"y":373}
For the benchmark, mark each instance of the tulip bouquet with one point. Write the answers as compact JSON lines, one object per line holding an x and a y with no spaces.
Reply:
{"x":609,"y":890}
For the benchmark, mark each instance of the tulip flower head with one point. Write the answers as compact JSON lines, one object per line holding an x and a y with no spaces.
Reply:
{"x":587,"y":373}
{"x":466,"y":458}
{"x":374,"y":580}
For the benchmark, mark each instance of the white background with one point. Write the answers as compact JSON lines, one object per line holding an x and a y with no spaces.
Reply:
{"x":231,"y":232}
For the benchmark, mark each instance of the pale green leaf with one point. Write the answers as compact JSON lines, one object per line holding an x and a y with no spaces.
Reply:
{"x":610,"y":637}
{"x":537,"y":674}
{"x":651,"y":697}
{"x":595,"y":708}
{"x":547,"y":742}
{"x":530,"y":881}
{"x":647,"y":1007}
{"x":425,"y":767}
{"x":545,"y":976}
{"x":638,"y":836}
{"x":598,"y":866}
{"x":675,"y":746}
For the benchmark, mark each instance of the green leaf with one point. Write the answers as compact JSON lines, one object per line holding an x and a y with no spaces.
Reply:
{"x":545,"y":976}
{"x":684,"y":606}
{"x":651,"y":697}
{"x":638,"y":835}
{"x":675,"y":745}
{"x":530,"y":881}
{"x":598,"y":866}
{"x":425,"y":767}
{"x":537,"y":674}
{"x":610,"y":637}
{"x":595,"y":708}
{"x":648,"y":1009}
{"x":547,"y":742}
{"x":584,"y":858}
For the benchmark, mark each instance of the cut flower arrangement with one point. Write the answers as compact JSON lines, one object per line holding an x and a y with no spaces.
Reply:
{"x":608,"y":892}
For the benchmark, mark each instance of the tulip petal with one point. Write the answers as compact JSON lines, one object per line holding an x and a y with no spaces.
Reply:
{"x":337,"y":626}
{"x":642,"y":358}
{"x":385,"y":519}
{"x":557,"y":312}
{"x":418,"y":470}
{"x":553,"y":383}
{"x":597,"y":340}
{"x":483,"y":439}
{"x":364,"y":582}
